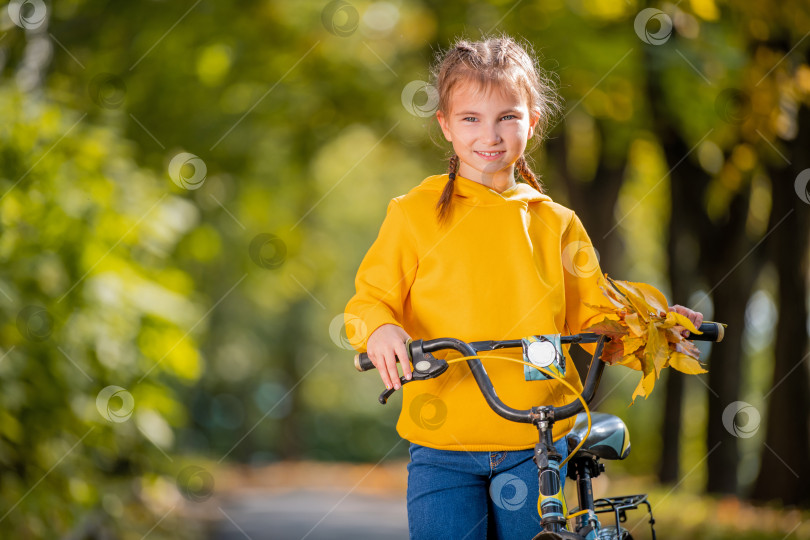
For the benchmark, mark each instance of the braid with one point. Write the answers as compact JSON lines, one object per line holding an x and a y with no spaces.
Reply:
{"x":527,"y":174}
{"x":443,"y":206}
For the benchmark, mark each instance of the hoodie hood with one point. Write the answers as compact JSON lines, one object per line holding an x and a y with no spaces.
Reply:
{"x":471,"y":192}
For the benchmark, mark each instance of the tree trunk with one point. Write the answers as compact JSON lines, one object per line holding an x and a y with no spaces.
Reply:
{"x":732,"y":289}
{"x":687,"y":183}
{"x":785,"y":460}
{"x":291,"y":355}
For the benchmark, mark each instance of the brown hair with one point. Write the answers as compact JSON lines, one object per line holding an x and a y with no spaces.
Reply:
{"x":497,"y":61}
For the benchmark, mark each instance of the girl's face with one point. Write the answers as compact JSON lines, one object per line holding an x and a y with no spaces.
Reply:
{"x":489,"y":131}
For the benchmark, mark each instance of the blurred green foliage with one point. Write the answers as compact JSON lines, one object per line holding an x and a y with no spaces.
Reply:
{"x":90,"y":300}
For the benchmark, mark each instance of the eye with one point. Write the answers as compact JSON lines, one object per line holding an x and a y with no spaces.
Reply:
{"x":508,"y":117}
{"x":470,"y":119}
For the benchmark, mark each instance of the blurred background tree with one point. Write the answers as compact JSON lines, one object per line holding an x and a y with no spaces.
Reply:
{"x":187,"y":189}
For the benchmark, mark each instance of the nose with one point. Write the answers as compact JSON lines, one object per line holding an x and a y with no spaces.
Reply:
{"x":490,"y":135}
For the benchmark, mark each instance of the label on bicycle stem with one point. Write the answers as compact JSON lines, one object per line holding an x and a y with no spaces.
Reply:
{"x":544,"y":351}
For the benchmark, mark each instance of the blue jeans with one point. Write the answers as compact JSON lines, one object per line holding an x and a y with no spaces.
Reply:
{"x":459,"y":495}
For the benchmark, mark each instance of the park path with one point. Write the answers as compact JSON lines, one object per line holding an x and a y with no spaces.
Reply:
{"x":310,"y":501}
{"x":311,"y":515}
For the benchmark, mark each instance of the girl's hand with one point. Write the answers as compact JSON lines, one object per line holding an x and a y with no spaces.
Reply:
{"x":385,"y":345}
{"x":695,"y":316}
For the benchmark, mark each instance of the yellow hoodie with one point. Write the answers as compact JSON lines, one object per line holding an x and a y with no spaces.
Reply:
{"x":505,"y":266}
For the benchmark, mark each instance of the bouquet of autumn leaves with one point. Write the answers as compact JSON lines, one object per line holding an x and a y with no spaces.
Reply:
{"x":644,"y":337}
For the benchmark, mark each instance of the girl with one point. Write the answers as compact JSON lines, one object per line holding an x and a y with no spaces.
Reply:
{"x":473,"y":254}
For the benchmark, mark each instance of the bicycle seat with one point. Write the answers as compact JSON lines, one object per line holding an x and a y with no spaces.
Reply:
{"x":608,"y":439}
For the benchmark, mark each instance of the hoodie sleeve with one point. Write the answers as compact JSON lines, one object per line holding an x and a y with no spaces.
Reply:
{"x":383,"y":280}
{"x":581,"y":273}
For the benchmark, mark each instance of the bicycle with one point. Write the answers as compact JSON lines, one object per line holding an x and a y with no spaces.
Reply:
{"x":609,"y":440}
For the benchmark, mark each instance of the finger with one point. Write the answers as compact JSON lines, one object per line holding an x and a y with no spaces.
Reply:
{"x":391,"y":365}
{"x":402,"y":353}
{"x":677,"y":308}
{"x":379,"y":363}
{"x":698,"y":319}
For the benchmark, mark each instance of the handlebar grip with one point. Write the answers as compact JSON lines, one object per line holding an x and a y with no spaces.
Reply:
{"x":712,"y":331}
{"x":362,"y":362}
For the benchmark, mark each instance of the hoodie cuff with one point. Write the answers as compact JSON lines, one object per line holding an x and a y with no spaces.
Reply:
{"x":358,"y":329}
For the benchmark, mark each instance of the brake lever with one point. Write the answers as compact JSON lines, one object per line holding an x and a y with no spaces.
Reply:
{"x":425,"y":366}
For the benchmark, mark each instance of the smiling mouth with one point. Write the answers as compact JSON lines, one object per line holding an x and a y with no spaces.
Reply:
{"x":490,"y":154}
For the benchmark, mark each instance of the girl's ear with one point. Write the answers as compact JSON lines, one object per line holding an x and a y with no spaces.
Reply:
{"x":443,"y":123}
{"x":532,"y":122}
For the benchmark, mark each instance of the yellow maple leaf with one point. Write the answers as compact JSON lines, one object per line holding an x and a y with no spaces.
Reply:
{"x":632,"y":344}
{"x":685,"y":364}
{"x":634,"y":324}
{"x":683,"y":321}
{"x":631,"y":361}
{"x":656,"y":351}
{"x":635,"y":301}
{"x":647,"y":382}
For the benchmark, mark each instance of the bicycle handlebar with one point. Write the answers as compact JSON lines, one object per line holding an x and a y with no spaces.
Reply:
{"x":426,"y":366}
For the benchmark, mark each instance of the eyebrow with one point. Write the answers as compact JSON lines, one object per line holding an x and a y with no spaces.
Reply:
{"x":468,"y":113}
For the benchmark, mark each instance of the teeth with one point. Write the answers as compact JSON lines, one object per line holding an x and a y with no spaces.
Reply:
{"x":489,"y":154}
